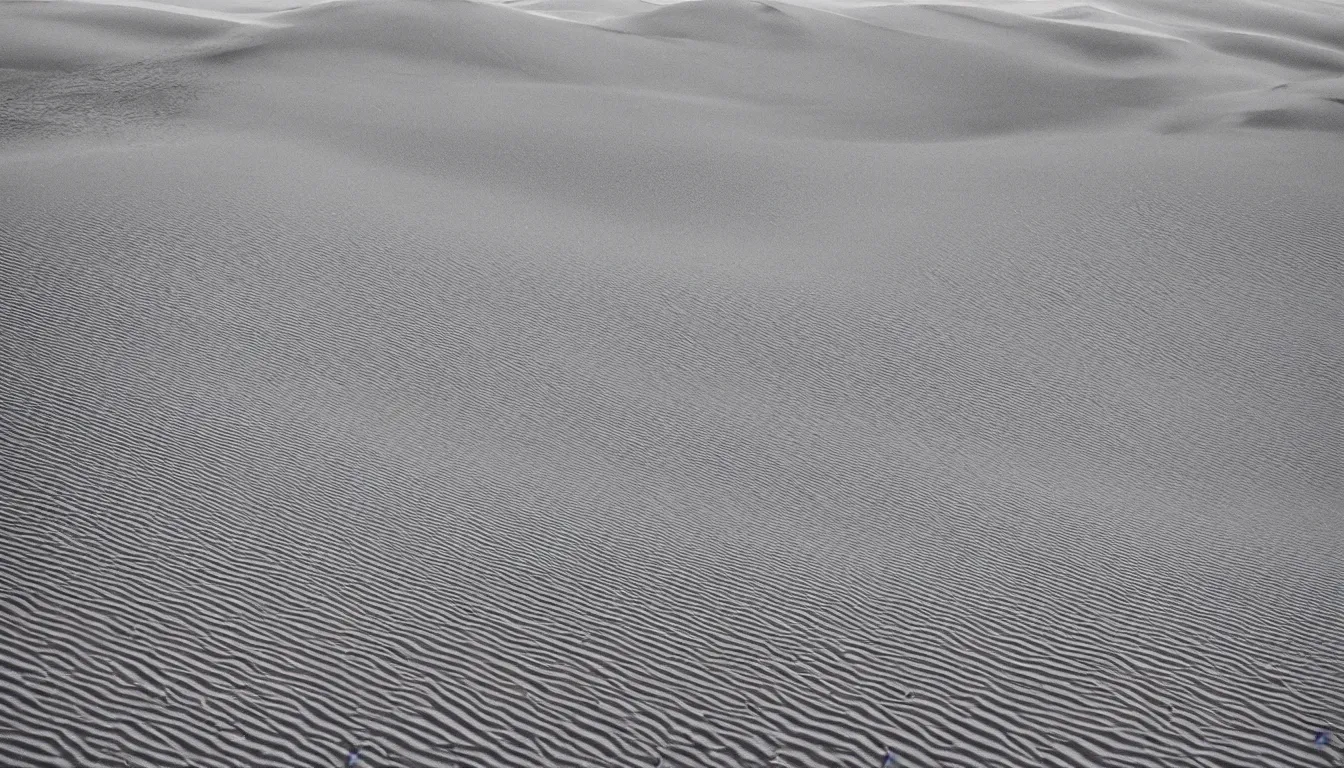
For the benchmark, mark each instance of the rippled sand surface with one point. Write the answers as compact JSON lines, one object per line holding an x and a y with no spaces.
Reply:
{"x":725,"y":383}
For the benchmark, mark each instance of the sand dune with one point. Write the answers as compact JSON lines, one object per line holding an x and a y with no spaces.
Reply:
{"x":591,"y":11}
{"x":1312,"y":22}
{"x":724,"y":383}
{"x":782,"y":63}
{"x":67,"y":36}
{"x":734,"y":22}
{"x":1277,"y":50}
{"x":1107,"y":45}
{"x":912,"y":72}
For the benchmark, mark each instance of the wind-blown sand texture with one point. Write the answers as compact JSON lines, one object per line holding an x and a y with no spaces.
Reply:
{"x":726,"y":383}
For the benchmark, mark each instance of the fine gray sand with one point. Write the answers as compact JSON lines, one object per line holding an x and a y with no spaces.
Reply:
{"x":723,"y":383}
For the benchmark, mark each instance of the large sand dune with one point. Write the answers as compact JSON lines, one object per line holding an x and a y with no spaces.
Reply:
{"x":722,"y":383}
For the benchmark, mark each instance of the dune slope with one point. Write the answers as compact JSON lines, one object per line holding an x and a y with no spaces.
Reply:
{"x":718,"y":384}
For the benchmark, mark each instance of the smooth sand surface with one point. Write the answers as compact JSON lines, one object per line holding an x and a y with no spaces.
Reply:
{"x":721,"y":383}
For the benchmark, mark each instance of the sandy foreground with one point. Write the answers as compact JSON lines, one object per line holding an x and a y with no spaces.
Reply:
{"x":719,"y":383}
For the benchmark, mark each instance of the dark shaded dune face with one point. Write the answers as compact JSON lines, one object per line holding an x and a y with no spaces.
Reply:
{"x":1287,"y":53}
{"x":1322,"y":25}
{"x":1321,"y":115}
{"x":1308,"y":105}
{"x":128,"y":22}
{"x":592,"y":11}
{"x":1077,"y":13}
{"x":58,"y":36}
{"x":401,"y":28}
{"x":1107,"y":46}
{"x":725,"y":21}
{"x":253,"y":49}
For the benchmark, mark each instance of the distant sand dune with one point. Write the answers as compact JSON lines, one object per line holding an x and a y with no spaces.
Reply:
{"x":1276,"y":50}
{"x":734,"y":22}
{"x":957,"y":71}
{"x":591,"y":11}
{"x":912,"y":87}
{"x":727,"y":383}
{"x":1092,"y":42}
{"x":63,"y":35}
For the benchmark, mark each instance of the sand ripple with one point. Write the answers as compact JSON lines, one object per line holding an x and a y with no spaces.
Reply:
{"x":489,"y":413}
